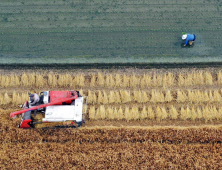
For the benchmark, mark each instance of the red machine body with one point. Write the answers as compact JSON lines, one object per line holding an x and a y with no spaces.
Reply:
{"x":60,"y":95}
{"x":48,"y":99}
{"x":55,"y":98}
{"x":25,"y":123}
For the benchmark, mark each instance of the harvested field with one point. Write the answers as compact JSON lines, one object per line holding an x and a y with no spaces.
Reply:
{"x":112,"y":156}
{"x":154,"y":95}
{"x":159,"y":119}
{"x":112,"y":148}
{"x":137,"y":117}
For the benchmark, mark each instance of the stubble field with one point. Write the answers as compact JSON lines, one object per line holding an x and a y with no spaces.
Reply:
{"x":135,"y":119}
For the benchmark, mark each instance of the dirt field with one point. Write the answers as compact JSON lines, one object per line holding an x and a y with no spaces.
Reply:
{"x":63,"y":31}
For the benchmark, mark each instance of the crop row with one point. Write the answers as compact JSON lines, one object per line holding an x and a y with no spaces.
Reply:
{"x":104,"y":29}
{"x":127,"y":96}
{"x":42,"y":80}
{"x":207,"y":113}
{"x":153,"y":96}
{"x":167,"y":79}
{"x":155,"y":80}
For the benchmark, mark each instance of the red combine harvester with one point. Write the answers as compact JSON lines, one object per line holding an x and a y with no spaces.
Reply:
{"x":58,"y":106}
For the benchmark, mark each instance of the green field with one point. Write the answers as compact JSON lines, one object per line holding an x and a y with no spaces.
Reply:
{"x":109,"y":31}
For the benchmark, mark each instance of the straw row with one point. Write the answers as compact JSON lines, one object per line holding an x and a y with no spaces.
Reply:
{"x":125,"y":96}
{"x":207,"y":113}
{"x":167,"y":79}
{"x":138,"y":96}
{"x":199,"y":96}
{"x":155,"y":96}
{"x":41,"y":80}
{"x":15,"y":98}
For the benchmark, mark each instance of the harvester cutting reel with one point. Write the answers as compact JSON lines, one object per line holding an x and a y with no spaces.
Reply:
{"x":54,"y":106}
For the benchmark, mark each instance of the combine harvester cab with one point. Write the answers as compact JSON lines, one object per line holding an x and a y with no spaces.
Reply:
{"x":57,"y":106}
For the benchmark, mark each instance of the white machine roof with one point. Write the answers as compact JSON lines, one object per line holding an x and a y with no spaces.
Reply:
{"x":60,"y":113}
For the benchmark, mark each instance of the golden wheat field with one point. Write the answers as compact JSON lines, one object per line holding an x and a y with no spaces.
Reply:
{"x":135,"y":119}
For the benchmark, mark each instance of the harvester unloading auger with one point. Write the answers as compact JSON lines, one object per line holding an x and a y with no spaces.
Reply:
{"x":58,"y":106}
